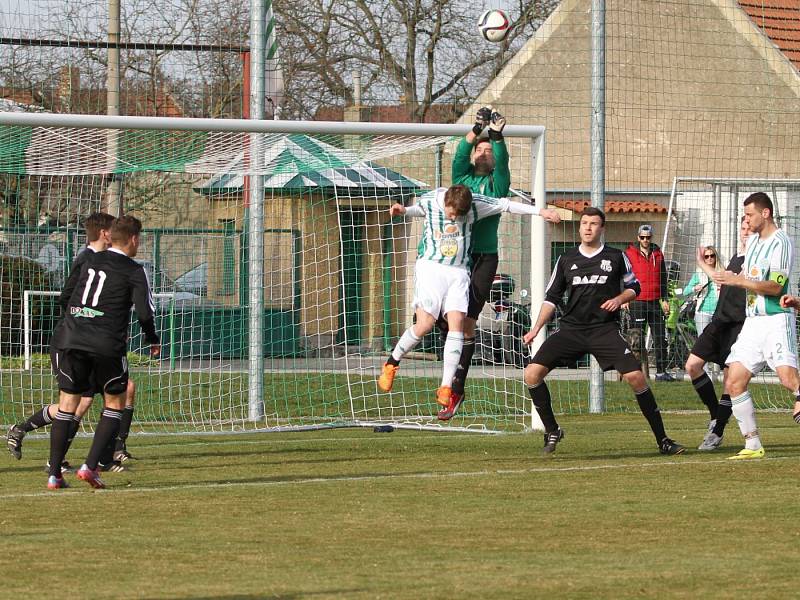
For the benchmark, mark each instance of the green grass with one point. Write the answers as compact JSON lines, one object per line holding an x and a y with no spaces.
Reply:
{"x":352,"y":514}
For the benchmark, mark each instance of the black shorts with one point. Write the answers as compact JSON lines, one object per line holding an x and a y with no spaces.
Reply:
{"x":605,"y":343}
{"x":84,"y":373}
{"x":714,"y":344}
{"x":484,"y":268}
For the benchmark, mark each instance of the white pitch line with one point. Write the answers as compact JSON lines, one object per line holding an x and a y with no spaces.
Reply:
{"x":387,"y":477}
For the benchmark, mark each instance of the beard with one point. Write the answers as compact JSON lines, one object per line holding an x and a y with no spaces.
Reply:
{"x":484,"y":164}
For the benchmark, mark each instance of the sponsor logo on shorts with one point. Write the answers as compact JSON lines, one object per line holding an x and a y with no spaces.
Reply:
{"x":85,"y":312}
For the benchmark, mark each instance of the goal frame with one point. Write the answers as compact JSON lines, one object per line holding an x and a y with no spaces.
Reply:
{"x":537,"y":185}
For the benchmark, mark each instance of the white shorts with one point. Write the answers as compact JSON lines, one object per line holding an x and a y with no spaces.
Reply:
{"x":439,"y":289}
{"x":766,"y":340}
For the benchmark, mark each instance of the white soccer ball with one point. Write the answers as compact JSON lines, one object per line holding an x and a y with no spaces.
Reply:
{"x":494,"y":25}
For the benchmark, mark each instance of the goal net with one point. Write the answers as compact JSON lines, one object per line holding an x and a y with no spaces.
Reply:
{"x":337,"y":271}
{"x":707,"y":211}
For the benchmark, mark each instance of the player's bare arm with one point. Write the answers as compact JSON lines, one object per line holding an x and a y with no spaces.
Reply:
{"x":545,"y":314}
{"x":615,"y":303}
{"x":771,"y":287}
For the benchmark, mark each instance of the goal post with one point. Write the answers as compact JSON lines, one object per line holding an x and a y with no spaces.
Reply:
{"x":708,"y":211}
{"x":334,"y":267}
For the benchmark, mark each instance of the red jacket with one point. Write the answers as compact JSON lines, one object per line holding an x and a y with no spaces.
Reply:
{"x":649,"y":270}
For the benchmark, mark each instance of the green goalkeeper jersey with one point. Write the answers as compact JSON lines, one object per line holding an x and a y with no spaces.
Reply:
{"x":494,"y":185}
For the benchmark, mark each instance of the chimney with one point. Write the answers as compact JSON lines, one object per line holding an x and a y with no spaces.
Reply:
{"x":69,"y":84}
{"x":357,"y":112}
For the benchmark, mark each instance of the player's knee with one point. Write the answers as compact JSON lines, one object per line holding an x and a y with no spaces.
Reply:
{"x":532,"y":376}
{"x":694,"y":366}
{"x":635,"y":379}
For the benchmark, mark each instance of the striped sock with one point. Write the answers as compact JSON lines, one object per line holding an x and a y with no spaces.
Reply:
{"x":59,"y":434}
{"x":107,"y":430}
{"x":408,"y":341}
{"x":40,"y":418}
{"x":745,"y":413}
{"x":452,"y":354}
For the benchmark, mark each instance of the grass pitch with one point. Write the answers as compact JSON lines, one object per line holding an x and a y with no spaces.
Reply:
{"x":354,"y":514}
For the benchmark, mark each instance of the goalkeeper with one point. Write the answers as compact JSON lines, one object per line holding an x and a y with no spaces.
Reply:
{"x":481,"y":164}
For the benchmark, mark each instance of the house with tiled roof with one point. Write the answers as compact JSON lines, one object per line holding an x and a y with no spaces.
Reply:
{"x":708,"y":88}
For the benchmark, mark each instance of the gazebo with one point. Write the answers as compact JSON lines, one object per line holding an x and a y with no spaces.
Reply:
{"x":325,"y":241}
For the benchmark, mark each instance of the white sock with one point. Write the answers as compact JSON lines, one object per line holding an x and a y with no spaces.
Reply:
{"x":408,"y":341}
{"x":452,"y":354}
{"x":745,"y":414}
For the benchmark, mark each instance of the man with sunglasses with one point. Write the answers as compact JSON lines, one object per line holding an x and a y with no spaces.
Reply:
{"x":651,"y":305}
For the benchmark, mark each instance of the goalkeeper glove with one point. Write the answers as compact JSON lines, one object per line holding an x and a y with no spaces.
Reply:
{"x":482,"y":119}
{"x":496,"y":127}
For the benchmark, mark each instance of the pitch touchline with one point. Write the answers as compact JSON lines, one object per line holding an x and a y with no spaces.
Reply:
{"x":345,"y":479}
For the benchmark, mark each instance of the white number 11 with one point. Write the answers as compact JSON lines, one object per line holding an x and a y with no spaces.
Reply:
{"x":101,"y":278}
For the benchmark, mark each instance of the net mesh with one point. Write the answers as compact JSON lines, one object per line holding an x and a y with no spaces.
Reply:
{"x":338,"y":275}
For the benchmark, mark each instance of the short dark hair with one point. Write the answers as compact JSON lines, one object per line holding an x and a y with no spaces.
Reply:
{"x":95,"y":223}
{"x":124,"y":229}
{"x":460,"y":198}
{"x":593,"y":211}
{"x":761,"y":201}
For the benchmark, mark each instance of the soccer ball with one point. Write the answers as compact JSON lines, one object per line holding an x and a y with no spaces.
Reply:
{"x":494,"y":25}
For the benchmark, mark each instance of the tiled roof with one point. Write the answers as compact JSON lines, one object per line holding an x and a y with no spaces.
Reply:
{"x":780,"y":21}
{"x":612,"y":206}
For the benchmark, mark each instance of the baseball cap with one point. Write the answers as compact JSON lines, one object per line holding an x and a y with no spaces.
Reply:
{"x":645,"y":230}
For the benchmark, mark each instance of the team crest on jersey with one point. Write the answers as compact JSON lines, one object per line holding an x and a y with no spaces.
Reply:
{"x":605,"y":265}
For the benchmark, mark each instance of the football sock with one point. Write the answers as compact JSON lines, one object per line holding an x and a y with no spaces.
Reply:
{"x":38,"y":419}
{"x":73,"y":430}
{"x":723,"y":414}
{"x":540,"y":394}
{"x":408,"y":341}
{"x":124,"y":426}
{"x":796,"y":416}
{"x":649,"y":408}
{"x":451,"y":356}
{"x":59,"y":433}
{"x":705,"y":389}
{"x":460,"y":378}
{"x":745,"y":414}
{"x":106,"y":431}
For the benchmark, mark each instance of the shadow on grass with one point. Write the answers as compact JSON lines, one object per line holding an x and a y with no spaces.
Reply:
{"x":290,"y":596}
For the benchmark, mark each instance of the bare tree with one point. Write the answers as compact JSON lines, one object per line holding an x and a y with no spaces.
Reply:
{"x":415,"y":52}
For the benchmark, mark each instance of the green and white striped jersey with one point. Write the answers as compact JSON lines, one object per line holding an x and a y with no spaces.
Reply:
{"x":447,"y":241}
{"x":768,"y":259}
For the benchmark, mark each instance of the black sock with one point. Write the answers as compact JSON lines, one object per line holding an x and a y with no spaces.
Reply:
{"x":124,"y":426}
{"x":540,"y":395}
{"x":724,"y":412}
{"x":796,"y":416}
{"x":460,"y":378}
{"x":107,"y":455}
{"x":705,"y":389}
{"x":73,"y":430}
{"x":106,"y":432}
{"x":649,"y":408}
{"x":392,"y":361}
{"x":59,"y":432}
{"x":38,"y":419}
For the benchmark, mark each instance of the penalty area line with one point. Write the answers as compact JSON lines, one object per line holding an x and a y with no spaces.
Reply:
{"x":74,"y":493}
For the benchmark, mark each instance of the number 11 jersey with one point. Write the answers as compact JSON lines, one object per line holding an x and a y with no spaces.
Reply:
{"x":97,"y":300}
